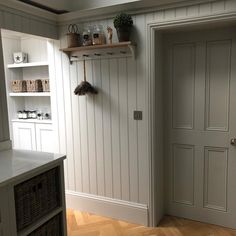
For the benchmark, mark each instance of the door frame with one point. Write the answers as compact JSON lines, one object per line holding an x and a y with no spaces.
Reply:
{"x":155,"y":154}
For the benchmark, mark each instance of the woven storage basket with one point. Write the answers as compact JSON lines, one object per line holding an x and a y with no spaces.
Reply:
{"x":50,"y":228}
{"x":46,"y":85}
{"x":73,"y":40}
{"x":18,"y":86}
{"x":34,"y":85}
{"x":36,"y":197}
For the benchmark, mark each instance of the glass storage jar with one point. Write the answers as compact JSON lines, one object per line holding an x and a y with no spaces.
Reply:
{"x":19,"y":115}
{"x":98,"y":35}
{"x":87,"y":37}
{"x":25,"y":115}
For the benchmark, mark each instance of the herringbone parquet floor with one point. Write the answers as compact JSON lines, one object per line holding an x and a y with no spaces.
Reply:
{"x":85,"y":224}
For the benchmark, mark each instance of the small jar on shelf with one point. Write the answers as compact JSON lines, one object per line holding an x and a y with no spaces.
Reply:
{"x":32,"y":114}
{"x":19,"y":115}
{"x":46,"y":116}
{"x":40,"y":116}
{"x":98,"y":35}
{"x":25,"y":114}
{"x":87,"y":37}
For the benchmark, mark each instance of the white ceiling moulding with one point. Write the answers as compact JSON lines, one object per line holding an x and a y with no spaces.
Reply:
{"x":45,"y":6}
{"x":56,"y":4}
{"x":91,"y":4}
{"x":135,"y":7}
{"x":23,"y":9}
{"x":132,"y":7}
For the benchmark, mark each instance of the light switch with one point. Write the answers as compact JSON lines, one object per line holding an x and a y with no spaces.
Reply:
{"x":138,"y":115}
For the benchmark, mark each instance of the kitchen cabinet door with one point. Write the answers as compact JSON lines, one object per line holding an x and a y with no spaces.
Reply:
{"x":24,"y":136}
{"x":44,"y":138}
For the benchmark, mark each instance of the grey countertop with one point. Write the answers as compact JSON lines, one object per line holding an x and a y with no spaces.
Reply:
{"x":15,"y":164}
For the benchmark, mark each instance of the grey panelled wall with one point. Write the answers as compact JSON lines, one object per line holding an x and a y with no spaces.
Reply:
{"x":4,"y":130}
{"x":107,"y":150}
{"x":21,"y":22}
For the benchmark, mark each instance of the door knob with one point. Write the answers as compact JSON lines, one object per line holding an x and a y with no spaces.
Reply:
{"x":233,"y":141}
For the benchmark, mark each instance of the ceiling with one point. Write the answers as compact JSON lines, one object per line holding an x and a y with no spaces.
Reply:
{"x":63,"y":6}
{"x":55,"y":6}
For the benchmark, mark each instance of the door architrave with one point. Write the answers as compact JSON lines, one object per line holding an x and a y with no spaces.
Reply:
{"x":153,"y":28}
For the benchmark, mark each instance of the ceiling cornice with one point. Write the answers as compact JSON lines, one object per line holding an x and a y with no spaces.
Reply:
{"x":43,"y":7}
{"x":27,"y":9}
{"x":98,"y":13}
{"x":132,"y":8}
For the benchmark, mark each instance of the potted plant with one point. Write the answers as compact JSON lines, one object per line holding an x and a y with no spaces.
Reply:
{"x":123,"y":23}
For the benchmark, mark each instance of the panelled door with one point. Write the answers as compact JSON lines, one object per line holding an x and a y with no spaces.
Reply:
{"x":200,"y":114}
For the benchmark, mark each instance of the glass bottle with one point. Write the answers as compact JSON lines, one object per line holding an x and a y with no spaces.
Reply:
{"x":98,"y":35}
{"x":87,"y":37}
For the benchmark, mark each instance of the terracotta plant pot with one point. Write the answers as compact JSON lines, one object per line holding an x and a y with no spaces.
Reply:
{"x":124,"y":33}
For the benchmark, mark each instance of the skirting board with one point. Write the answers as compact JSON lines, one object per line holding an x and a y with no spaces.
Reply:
{"x":117,"y":209}
{"x":5,"y":145}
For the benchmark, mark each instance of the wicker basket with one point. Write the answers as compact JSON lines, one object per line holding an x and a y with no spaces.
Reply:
{"x":36,"y":197}
{"x":18,"y":86}
{"x":50,"y":228}
{"x":34,"y":86}
{"x":73,"y":40}
{"x":46,"y":85}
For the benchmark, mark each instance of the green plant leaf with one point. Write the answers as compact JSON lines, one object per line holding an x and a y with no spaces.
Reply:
{"x":123,"y":20}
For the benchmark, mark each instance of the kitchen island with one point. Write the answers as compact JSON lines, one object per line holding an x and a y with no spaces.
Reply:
{"x":32,"y":194}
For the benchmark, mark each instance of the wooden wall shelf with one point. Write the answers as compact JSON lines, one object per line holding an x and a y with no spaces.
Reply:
{"x":123,"y":49}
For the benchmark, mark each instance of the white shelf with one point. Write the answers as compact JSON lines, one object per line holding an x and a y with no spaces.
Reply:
{"x":42,"y":94}
{"x":32,"y":121}
{"x":31,"y":64}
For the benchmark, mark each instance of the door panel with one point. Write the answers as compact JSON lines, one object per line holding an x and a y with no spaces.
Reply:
{"x":183,"y":85}
{"x":183,"y":181}
{"x":216,"y":169}
{"x":44,"y":137}
{"x":24,"y":136}
{"x":217,"y":89}
{"x":200,"y":114}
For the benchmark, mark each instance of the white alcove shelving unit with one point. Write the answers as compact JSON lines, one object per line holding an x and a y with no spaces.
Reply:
{"x":36,"y":135}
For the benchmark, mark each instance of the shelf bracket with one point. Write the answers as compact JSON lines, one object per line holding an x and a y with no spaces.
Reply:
{"x":133,"y":51}
{"x":69,"y":56}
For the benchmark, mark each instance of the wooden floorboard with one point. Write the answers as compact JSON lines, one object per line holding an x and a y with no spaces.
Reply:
{"x":85,"y":224}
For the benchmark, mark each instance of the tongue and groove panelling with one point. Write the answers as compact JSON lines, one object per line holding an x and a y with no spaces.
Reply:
{"x":17,"y":20}
{"x":107,"y":150}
